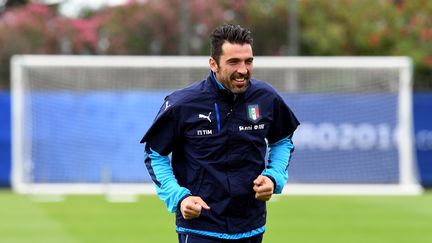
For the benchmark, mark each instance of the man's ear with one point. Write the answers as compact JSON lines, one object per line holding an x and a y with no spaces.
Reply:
{"x":213,"y":65}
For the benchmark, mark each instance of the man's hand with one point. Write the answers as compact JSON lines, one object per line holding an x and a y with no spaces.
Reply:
{"x":264,"y":187}
{"x":191,"y":207}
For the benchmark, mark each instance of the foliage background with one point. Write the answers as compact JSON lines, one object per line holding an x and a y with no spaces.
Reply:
{"x":153,"y":27}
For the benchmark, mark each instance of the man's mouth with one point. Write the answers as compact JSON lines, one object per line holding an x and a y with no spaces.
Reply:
{"x":239,"y":82}
{"x":239,"y":79}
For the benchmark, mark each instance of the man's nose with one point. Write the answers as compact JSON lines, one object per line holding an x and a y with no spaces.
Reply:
{"x":242,"y":69}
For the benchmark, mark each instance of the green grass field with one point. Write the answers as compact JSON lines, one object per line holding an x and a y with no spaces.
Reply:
{"x":299,"y":219}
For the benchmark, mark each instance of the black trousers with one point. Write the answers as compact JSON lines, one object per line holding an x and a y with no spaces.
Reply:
{"x":189,"y":238}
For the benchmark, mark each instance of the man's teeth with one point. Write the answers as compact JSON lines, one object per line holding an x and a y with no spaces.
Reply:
{"x":239,"y":79}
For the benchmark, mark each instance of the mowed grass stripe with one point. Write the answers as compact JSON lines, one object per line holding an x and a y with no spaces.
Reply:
{"x":300,"y":219}
{"x":93,"y":219}
{"x":23,"y":221}
{"x":351,"y":219}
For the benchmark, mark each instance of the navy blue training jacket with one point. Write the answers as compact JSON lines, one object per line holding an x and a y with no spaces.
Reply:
{"x":218,"y":149}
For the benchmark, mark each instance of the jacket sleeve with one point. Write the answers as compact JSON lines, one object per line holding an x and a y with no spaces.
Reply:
{"x":163,"y":132}
{"x":159,"y":141}
{"x":165,"y":182}
{"x":280,"y":143}
{"x":284,"y":121}
{"x":280,"y":154}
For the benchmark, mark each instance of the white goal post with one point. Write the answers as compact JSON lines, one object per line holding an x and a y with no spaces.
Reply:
{"x":77,"y":121}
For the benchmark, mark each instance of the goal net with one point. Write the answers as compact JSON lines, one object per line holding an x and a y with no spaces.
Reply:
{"x":78,"y":120}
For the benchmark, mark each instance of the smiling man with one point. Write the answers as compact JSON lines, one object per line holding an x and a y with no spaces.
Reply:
{"x":218,"y":181}
{"x":234,"y":67}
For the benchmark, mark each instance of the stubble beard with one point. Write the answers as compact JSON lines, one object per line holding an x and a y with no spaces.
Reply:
{"x":237,"y":83}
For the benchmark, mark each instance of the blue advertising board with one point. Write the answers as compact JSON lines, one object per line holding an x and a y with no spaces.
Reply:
{"x":345,"y":138}
{"x":111,"y":125}
{"x":423,"y":135}
{"x":5,"y":138}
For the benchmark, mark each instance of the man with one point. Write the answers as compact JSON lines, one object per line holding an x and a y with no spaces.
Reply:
{"x":217,"y":182}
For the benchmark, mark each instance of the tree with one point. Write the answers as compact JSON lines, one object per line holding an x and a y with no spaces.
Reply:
{"x":152,"y":27}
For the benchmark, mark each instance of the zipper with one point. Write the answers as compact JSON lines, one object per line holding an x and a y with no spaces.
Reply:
{"x":217,"y":117}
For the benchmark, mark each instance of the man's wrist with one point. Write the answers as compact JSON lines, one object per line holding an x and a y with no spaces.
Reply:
{"x":273,"y":180}
{"x":181,"y":200}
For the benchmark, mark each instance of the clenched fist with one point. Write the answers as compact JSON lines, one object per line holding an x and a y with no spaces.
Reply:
{"x":191,"y":207}
{"x":264,"y":187}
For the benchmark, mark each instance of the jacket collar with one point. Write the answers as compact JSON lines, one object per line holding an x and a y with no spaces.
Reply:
{"x":221,"y":91}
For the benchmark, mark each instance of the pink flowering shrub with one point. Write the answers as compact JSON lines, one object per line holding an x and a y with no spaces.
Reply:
{"x":153,"y":27}
{"x":30,"y":29}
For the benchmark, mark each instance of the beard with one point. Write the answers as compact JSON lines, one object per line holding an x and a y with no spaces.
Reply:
{"x":236,"y":82}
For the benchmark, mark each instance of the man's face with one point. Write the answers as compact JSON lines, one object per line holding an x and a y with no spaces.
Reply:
{"x":235,"y":66}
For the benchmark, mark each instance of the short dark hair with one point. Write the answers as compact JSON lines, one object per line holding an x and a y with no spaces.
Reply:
{"x":228,"y":32}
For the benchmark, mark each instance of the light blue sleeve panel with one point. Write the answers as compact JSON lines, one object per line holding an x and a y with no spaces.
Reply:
{"x":279,"y":156}
{"x":166,"y":184}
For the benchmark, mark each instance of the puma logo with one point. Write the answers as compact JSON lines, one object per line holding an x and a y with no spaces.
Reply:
{"x":205,"y":117}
